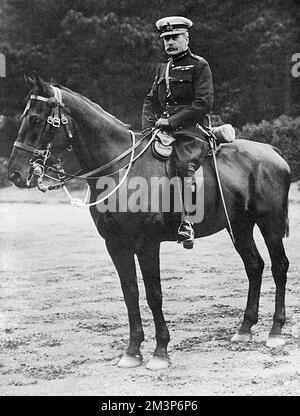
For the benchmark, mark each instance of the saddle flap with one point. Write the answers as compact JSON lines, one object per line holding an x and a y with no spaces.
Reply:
{"x":164,"y":137}
{"x":162,"y":144}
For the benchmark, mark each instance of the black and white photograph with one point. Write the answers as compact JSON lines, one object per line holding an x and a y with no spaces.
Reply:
{"x":149,"y":201}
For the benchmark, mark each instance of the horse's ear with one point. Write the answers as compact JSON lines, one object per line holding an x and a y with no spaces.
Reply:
{"x":42,"y":85}
{"x":30,"y":82}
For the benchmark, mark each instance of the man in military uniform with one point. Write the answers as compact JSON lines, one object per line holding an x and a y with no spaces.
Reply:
{"x":180,"y":99}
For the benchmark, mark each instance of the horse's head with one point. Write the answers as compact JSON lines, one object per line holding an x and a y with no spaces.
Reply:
{"x":44,"y":133}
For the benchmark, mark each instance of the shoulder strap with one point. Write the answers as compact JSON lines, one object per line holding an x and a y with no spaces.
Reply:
{"x":199,"y":58}
{"x":167,"y":75}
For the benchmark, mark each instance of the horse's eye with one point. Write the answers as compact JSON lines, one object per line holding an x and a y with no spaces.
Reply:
{"x":35,"y":120}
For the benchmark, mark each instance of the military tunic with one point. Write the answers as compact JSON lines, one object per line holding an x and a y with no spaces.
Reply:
{"x":188,"y":102}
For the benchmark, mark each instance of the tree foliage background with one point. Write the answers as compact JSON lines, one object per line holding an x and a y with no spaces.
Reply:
{"x":108,"y":50}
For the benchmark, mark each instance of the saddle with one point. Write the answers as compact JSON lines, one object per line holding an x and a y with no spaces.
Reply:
{"x":162,"y":144}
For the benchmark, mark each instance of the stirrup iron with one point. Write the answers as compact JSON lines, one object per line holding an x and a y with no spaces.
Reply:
{"x":186,"y":236}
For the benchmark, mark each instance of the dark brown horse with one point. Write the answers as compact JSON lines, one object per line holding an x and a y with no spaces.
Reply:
{"x":255,"y":181}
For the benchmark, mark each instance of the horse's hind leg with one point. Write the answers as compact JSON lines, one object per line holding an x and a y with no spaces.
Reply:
{"x":122,"y":254}
{"x":273,"y":232}
{"x":148,"y":256}
{"x":254,"y":265}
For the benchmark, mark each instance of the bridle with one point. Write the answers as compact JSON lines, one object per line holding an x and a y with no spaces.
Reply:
{"x":55,"y":120}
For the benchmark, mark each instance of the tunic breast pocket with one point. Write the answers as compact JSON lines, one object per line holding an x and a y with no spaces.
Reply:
{"x":182,"y":86}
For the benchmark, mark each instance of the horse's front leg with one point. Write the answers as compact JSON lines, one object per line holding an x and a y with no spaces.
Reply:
{"x":122,"y":254}
{"x":148,"y":256}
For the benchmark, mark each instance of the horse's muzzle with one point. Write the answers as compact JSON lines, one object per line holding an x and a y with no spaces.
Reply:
{"x":20,"y":171}
{"x":22,"y":181}
{"x":16,"y":178}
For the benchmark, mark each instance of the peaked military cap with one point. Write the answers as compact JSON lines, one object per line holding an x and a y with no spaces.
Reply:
{"x":173,"y":25}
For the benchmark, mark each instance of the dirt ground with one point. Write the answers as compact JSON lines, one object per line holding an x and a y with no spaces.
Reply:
{"x":63,"y":322}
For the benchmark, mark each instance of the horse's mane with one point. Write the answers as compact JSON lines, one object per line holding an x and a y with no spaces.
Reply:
{"x":92,"y":104}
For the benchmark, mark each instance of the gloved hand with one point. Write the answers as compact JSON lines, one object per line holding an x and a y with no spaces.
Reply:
{"x":163,"y":123}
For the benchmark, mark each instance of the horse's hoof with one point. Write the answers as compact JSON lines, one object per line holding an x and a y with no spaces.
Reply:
{"x":241,"y":338}
{"x":158,"y":363}
{"x":130,"y":361}
{"x":275,"y":341}
{"x":188,"y":244}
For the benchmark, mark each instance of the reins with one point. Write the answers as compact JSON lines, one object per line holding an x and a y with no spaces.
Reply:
{"x":78,"y":202}
{"x":56,"y":119}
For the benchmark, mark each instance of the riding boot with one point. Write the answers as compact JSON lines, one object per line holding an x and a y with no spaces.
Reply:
{"x":185,"y":232}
